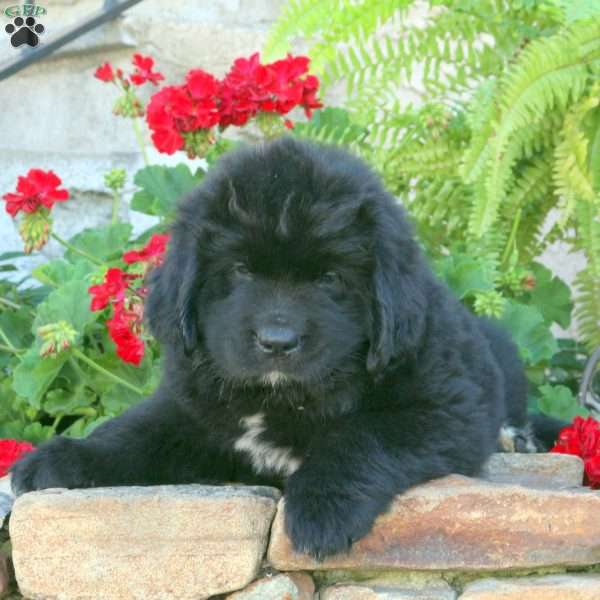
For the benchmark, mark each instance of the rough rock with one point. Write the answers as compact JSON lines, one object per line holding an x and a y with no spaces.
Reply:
{"x":535,"y":470}
{"x":551,"y":587}
{"x":285,"y":586}
{"x":128,"y":543}
{"x":468,"y":525}
{"x":364,"y":591}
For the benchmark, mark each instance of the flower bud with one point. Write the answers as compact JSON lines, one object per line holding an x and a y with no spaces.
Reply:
{"x":490,"y":304}
{"x":529,"y":282}
{"x":35,"y":229}
{"x":198,"y":143}
{"x":271,"y":124}
{"x":115,"y":179}
{"x":57,"y":337}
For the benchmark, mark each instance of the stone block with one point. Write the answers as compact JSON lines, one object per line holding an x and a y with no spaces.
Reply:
{"x":468,"y":525}
{"x":129,"y":543}
{"x":367,"y":591}
{"x":285,"y":586}
{"x":551,"y":587}
{"x":535,"y":470}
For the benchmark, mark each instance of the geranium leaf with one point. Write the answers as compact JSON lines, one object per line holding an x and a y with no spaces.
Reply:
{"x":62,"y":401}
{"x":103,"y":243}
{"x":529,"y":331}
{"x":558,"y":401}
{"x":162,"y":187}
{"x":551,"y":296}
{"x":57,"y":272}
{"x":117,"y":399}
{"x":465,"y":274}
{"x":16,"y":325}
{"x":34,"y":375}
{"x":70,"y":302}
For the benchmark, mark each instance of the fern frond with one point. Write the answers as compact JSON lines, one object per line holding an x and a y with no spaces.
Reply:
{"x":299,"y":17}
{"x":587,"y":281}
{"x":532,"y":194}
{"x":572,"y":177}
{"x":550,"y":74}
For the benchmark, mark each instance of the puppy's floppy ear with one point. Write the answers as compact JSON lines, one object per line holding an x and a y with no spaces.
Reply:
{"x":399,"y":301}
{"x":171,"y":304}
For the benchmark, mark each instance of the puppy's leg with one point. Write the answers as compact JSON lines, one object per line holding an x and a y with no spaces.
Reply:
{"x":154,"y":442}
{"x":352,"y":474}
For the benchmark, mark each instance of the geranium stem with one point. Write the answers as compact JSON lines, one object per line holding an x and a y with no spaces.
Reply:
{"x":10,"y":349}
{"x":140,"y":139}
{"x":10,"y":303}
{"x":76,"y":250}
{"x":116,"y":205}
{"x":86,"y":359}
{"x":9,"y":346}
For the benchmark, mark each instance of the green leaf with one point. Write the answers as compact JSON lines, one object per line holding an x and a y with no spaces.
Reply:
{"x":117,"y":399}
{"x":103,"y":243}
{"x":9,"y":255}
{"x":529,"y":331}
{"x":162,"y":187}
{"x":465,"y":274}
{"x":558,"y":401}
{"x":145,"y":376}
{"x":551,"y":296}
{"x":34,"y":375}
{"x":16,"y":325}
{"x":70,"y":302}
{"x":57,"y":272}
{"x":332,"y":124}
{"x":62,"y":401}
{"x":83,"y":427}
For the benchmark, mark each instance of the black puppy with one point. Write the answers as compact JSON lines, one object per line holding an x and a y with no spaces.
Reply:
{"x":307,"y":344}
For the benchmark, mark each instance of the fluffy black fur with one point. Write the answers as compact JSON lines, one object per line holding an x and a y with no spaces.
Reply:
{"x":308,"y":345}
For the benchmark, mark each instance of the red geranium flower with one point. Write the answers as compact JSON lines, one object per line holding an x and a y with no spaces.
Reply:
{"x":105,"y":73}
{"x":122,"y":329}
{"x":37,"y":188}
{"x":113,"y":289}
{"x":177,"y":113}
{"x":143,"y":71}
{"x":152,"y":253}
{"x":582,"y":438}
{"x":10,"y":452}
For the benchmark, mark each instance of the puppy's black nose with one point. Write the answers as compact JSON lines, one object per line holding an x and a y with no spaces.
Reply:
{"x":277,"y":339}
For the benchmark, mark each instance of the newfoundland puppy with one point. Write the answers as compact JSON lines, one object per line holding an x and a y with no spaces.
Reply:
{"x":307,"y":344}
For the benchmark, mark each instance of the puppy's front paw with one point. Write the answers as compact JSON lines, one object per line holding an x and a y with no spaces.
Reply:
{"x":57,"y":463}
{"x":322,"y":521}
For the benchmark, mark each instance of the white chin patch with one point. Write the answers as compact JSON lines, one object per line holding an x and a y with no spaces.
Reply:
{"x":275,"y":378}
{"x":264,"y":455}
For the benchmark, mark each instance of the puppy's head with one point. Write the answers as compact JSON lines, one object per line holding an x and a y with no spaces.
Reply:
{"x":289,"y":264}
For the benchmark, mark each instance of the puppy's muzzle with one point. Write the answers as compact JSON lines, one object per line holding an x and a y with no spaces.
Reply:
{"x":276,"y":339}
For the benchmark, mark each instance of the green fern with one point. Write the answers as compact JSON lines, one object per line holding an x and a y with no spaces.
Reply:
{"x":507,"y":131}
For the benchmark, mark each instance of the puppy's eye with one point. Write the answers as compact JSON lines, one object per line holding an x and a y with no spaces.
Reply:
{"x":242,"y":270}
{"x":328,"y":279}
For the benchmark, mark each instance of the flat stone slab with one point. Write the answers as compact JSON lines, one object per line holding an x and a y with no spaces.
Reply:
{"x":551,"y":587}
{"x":285,"y":586}
{"x":368,"y":591}
{"x":535,"y":470}
{"x":466,"y":524}
{"x":130,"y":543}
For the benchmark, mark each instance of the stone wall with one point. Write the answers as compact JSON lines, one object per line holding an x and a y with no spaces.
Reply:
{"x":527,"y":530}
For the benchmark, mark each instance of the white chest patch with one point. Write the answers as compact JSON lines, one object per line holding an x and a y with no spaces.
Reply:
{"x":265,"y":456}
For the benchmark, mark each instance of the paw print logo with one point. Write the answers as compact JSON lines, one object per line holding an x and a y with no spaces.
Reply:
{"x":24,"y":31}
